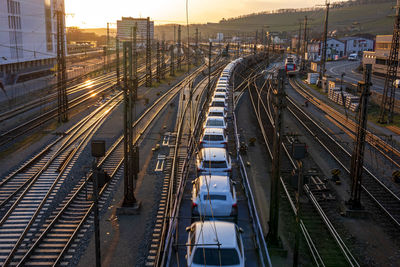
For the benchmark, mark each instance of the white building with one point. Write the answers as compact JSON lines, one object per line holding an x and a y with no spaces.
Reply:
{"x":334,"y":48}
{"x":27,"y":37}
{"x":357,"y":45}
{"x":220,"y":36}
{"x":124,"y":29}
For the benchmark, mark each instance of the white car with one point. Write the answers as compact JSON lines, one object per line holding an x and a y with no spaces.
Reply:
{"x":214,"y":243}
{"x":220,"y":95}
{"x":217,"y":112}
{"x":214,"y":195}
{"x":222,"y":83}
{"x":214,"y":137}
{"x":219,"y":102}
{"x":213,"y":160}
{"x":215,"y":122}
{"x":221,"y":90}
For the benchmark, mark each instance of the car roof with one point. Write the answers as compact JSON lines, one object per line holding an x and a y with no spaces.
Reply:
{"x":215,"y":118}
{"x":213,"y":153}
{"x":213,"y":131}
{"x":218,"y":99}
{"x":219,"y":93}
{"x":214,"y":183}
{"x":216,"y":109}
{"x":213,"y":232}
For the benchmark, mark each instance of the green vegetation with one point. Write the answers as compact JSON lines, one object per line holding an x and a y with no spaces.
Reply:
{"x":373,"y":18}
{"x":373,"y":115}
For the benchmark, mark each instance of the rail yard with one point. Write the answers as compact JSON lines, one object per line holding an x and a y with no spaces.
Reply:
{"x":151,"y":145}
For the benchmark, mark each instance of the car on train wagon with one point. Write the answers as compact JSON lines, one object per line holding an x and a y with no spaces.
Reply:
{"x":221,"y":89}
{"x":220,"y":95}
{"x":217,"y":112}
{"x":215,"y":243}
{"x":215,"y":122}
{"x":222,"y":82}
{"x":219,"y":102}
{"x":214,"y":137}
{"x":213,"y":160}
{"x":214,"y":196}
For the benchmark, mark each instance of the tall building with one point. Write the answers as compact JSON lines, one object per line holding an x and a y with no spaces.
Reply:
{"x":124,"y":28}
{"x":28,"y":40}
{"x":379,"y":57}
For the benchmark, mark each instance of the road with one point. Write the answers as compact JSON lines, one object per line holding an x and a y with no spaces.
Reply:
{"x":336,"y":68}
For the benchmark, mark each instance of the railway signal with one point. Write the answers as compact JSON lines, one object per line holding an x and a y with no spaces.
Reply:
{"x":61,"y":67}
{"x":388,"y":97}
{"x":357,"y":159}
{"x":279,"y":106}
{"x":131,"y":155}
{"x":148,"y":55}
{"x":324,"y":46}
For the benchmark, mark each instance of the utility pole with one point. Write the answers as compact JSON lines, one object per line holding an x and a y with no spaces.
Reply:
{"x":172,"y":64}
{"x":158,"y":69}
{"x":388,"y":97}
{"x":163,"y":60}
{"x":255,"y":43}
{"x":299,"y":41}
{"x":197,"y":47}
{"x":279,"y":105}
{"x":129,"y":197}
{"x":303,"y":60}
{"x":148,"y":55}
{"x":108,"y":46}
{"x":188,"y":48}
{"x":324,"y":46}
{"x":179,"y":48}
{"x":209,"y":71}
{"x":267,"y":49}
{"x":117,"y":59}
{"x":61,"y":68}
{"x":357,"y":158}
{"x":135,"y":60}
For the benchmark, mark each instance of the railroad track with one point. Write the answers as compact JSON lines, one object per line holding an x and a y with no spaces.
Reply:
{"x":349,"y":126}
{"x":52,"y":242}
{"x":173,"y":180}
{"x":37,"y":191}
{"x":379,"y":193}
{"x":324,"y":243}
{"x":49,"y":115}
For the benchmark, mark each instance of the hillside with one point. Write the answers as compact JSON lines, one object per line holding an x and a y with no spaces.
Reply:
{"x":367,"y":18}
{"x":373,"y":18}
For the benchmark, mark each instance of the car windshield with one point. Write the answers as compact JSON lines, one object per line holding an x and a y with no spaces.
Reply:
{"x":218,"y":104}
{"x":215,"y":123}
{"x":215,"y":164}
{"x":221,"y":90}
{"x":219,"y":96}
{"x":216,"y":257}
{"x":214,"y":197}
{"x":209,"y":137}
{"x":214,"y":113}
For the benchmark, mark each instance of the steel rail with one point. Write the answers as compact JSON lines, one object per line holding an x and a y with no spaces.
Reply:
{"x":168,"y":96}
{"x":346,"y":168}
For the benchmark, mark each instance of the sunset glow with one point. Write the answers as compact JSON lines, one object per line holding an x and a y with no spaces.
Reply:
{"x":94,"y":13}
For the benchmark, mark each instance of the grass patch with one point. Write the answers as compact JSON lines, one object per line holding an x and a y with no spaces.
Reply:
{"x":316,"y":88}
{"x":373,"y":115}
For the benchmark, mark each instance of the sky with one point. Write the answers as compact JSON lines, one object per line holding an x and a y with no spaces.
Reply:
{"x":96,"y":13}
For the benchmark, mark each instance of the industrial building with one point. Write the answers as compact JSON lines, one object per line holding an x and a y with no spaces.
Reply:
{"x":28,"y":39}
{"x":125,"y":25}
{"x":379,"y":57}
